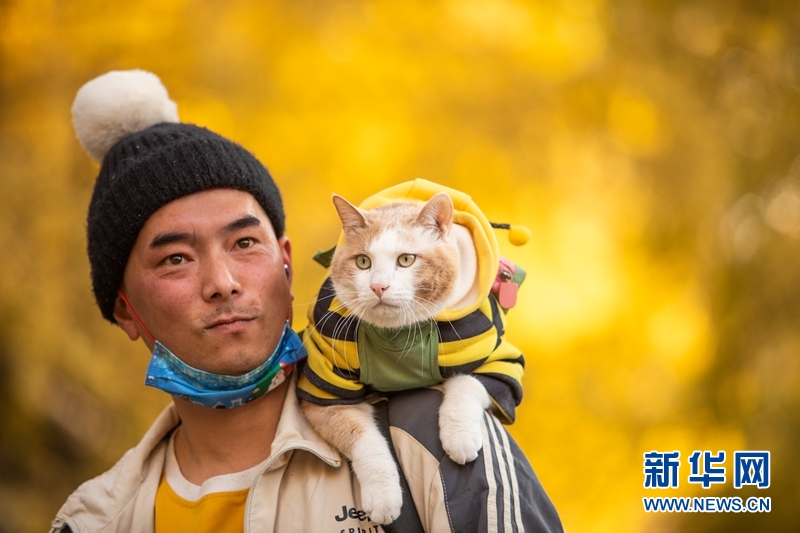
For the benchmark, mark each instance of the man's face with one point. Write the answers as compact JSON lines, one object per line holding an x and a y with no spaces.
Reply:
{"x":207,"y":279}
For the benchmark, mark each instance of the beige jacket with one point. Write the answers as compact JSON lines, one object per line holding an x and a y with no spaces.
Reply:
{"x":307,"y":487}
{"x":303,"y":486}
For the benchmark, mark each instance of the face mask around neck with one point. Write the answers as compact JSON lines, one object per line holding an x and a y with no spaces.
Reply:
{"x":168,"y":373}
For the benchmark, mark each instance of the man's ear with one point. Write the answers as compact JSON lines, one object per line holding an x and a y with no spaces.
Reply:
{"x":125,"y":319}
{"x":286,"y":253}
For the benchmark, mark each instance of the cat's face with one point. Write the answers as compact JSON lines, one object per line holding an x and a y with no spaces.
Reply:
{"x":397,"y":265}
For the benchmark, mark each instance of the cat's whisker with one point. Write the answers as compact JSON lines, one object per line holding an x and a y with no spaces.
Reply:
{"x":416,"y":327}
{"x":351,"y":320}
{"x":340,"y":324}
{"x":318,"y":328}
{"x":411,"y":340}
{"x":419,"y":301}
{"x":403,"y":306}
{"x":421,"y":361}
{"x":327,"y":316}
{"x":313,"y":301}
{"x":345,"y":324}
{"x":332,"y":312}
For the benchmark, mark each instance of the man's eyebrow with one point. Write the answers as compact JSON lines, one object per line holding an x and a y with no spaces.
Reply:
{"x":246,"y":221}
{"x":163,"y":239}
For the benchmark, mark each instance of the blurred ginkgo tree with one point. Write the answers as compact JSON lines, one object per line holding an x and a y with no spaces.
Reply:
{"x":650,"y":146}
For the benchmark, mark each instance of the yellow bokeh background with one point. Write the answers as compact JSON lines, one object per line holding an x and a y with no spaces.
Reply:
{"x":650,"y":147}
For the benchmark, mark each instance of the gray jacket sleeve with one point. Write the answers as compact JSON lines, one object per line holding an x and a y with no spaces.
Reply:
{"x":499,"y":491}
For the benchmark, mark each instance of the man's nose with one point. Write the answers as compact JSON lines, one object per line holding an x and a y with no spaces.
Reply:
{"x":220,"y":281}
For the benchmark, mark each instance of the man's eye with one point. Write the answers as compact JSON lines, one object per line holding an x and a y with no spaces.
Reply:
{"x":247,"y":242}
{"x":176,"y":259}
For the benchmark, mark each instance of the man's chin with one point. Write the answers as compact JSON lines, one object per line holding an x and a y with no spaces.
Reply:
{"x":241,"y":364}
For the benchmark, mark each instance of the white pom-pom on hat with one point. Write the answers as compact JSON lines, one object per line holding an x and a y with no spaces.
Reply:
{"x":117,"y":104}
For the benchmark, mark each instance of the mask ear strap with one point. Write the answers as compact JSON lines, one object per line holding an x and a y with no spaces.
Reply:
{"x":135,"y":316}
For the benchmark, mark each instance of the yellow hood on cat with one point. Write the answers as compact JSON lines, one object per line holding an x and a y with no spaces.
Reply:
{"x":467,"y":213}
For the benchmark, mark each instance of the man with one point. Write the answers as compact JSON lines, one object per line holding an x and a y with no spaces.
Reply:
{"x":186,"y":245}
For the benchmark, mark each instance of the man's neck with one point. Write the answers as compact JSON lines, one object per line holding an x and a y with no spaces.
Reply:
{"x":212,"y":442}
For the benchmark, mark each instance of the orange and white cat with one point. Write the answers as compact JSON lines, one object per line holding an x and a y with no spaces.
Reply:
{"x":400,"y":265}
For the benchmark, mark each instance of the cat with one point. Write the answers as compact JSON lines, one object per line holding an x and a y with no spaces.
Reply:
{"x":401,"y":264}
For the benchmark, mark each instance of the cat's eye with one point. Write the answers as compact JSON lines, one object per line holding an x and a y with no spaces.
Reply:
{"x":363,"y":261}
{"x":406,"y":260}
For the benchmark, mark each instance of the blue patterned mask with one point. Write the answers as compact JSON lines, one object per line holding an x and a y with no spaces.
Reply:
{"x":168,"y":373}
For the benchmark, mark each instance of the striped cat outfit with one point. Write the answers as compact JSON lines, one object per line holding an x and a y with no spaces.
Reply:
{"x":348,"y":358}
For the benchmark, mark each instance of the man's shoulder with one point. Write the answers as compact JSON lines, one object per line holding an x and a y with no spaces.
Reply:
{"x":104,"y":500}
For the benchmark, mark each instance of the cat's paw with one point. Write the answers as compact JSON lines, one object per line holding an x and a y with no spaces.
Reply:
{"x":462,"y":442}
{"x":382,"y":504}
{"x":376,"y":471}
{"x":461,"y":416}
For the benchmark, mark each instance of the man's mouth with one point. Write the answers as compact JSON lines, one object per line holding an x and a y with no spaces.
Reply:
{"x":230,"y":324}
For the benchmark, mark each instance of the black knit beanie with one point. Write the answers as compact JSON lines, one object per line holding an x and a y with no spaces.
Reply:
{"x":151,"y":160}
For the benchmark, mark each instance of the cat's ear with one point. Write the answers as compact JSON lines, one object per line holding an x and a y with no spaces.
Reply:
{"x":352,"y":218}
{"x":438,"y":214}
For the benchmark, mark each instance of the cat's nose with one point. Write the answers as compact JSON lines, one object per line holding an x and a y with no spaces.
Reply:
{"x":378,"y":289}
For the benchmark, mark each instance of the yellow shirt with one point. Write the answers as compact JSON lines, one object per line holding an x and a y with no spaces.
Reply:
{"x":219,"y":512}
{"x":216,"y":506}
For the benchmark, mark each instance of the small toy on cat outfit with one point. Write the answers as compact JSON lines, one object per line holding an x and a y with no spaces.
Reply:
{"x":416,"y":297}
{"x":517,"y":235}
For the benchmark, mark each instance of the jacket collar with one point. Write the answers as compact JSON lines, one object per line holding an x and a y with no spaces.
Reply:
{"x":122,"y":499}
{"x":294,"y":432}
